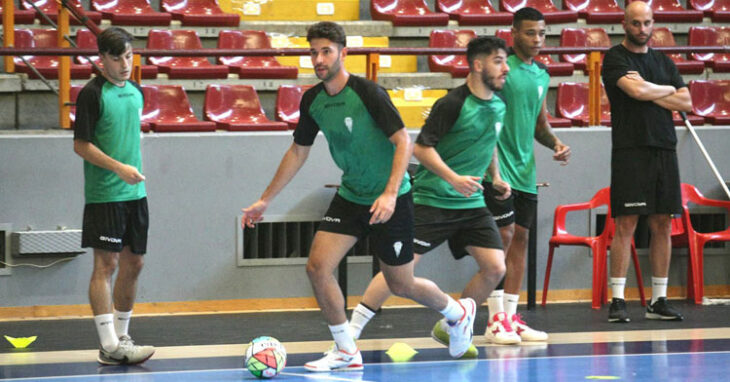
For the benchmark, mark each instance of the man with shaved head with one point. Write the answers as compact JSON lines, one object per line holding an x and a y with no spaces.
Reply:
{"x":644,"y":87}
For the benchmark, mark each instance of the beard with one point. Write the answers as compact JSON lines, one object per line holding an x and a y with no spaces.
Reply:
{"x":635,"y":40}
{"x":330,"y":73}
{"x":491,"y":82}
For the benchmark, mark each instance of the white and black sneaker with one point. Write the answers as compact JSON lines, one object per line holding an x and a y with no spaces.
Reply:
{"x":617,"y":311}
{"x":127,"y":353}
{"x":662,"y":310}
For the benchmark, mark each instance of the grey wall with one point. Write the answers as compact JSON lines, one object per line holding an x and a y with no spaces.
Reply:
{"x":197,"y":184}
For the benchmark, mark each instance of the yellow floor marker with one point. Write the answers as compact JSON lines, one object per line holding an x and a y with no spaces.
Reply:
{"x":401,"y":352}
{"x":21,"y":342}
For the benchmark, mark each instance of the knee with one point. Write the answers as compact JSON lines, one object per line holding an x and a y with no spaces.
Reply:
{"x":495,"y":269}
{"x":507,"y":233}
{"x":315,"y":270}
{"x":400,"y":288}
{"x":134,"y":264}
{"x":105,"y":268}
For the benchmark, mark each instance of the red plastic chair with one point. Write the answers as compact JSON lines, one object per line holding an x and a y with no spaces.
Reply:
{"x":73,"y":96}
{"x":20,"y":16}
{"x":598,"y":244}
{"x":406,"y":13}
{"x":596,"y":11}
{"x":572,"y":99}
{"x":717,"y":10}
{"x":552,"y":14}
{"x":668,"y":11}
{"x":711,"y":100}
{"x":85,"y":39}
{"x":473,"y":12}
{"x":199,"y":13}
{"x":252,"y":66}
{"x":699,"y":36}
{"x":237,"y":108}
{"x":583,"y":37}
{"x":554,"y":68}
{"x":559,"y":122}
{"x":50,"y":8}
{"x":662,"y":36}
{"x":46,"y":65}
{"x":288,"y":98}
{"x":454,"y":64}
{"x":167,"y":109}
{"x":130,"y":12}
{"x":182,"y":67}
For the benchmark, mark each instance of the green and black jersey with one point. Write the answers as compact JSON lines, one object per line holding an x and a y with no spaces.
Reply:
{"x":357,"y":123}
{"x":463,"y":129}
{"x":108,"y":116}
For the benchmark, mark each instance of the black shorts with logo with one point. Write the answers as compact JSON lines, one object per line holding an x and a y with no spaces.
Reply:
{"x":392,"y":241}
{"x":462,"y":228}
{"x":645,"y":181}
{"x":115,"y":225}
{"x":519,"y":208}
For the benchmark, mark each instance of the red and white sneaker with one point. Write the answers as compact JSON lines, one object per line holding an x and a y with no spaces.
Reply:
{"x":336,"y":360}
{"x":525,"y":332}
{"x":499,"y":331}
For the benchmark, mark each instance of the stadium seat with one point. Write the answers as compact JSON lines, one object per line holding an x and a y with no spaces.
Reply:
{"x":473,"y":12}
{"x":50,"y":8}
{"x":131,"y":12}
{"x":288,"y":98}
{"x":46,"y":65}
{"x":85,"y":39}
{"x":407,"y":13}
{"x":559,"y":122}
{"x":596,"y":11}
{"x":598,"y":244}
{"x":717,"y":10}
{"x":554,"y":68}
{"x":20,"y":16}
{"x":584,"y":37}
{"x":237,"y":108}
{"x":572,"y":103}
{"x":711,"y":100}
{"x":702,"y":36}
{"x":182,"y":67}
{"x":671,"y":11}
{"x":454,"y":64}
{"x":199,"y":13}
{"x":552,"y":14}
{"x":252,"y":66}
{"x":414,"y":104}
{"x":662,"y":36}
{"x":167,"y":109}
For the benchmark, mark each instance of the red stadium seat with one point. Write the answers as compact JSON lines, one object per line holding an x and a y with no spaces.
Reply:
{"x":50,"y":8}
{"x":711,"y":100}
{"x":73,"y":95}
{"x":20,"y":16}
{"x":167,"y":109}
{"x":199,"y":13}
{"x":46,"y":65}
{"x":662,"y":36}
{"x":554,"y":68}
{"x":717,"y":10}
{"x":237,"y":108}
{"x":573,"y":104}
{"x":252,"y":66}
{"x":669,"y":11}
{"x":406,"y":13}
{"x":454,"y":64}
{"x":182,"y":67}
{"x":596,"y":11}
{"x":288,"y":98}
{"x":559,"y":122}
{"x":584,"y":37}
{"x":699,"y":36}
{"x":552,"y":14}
{"x":473,"y":12}
{"x":85,"y":39}
{"x":131,"y":12}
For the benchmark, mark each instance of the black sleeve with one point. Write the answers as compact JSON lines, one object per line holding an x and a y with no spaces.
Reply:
{"x":88,"y":109}
{"x":614,"y":67}
{"x":441,"y":119}
{"x":307,"y":127}
{"x":379,"y":105}
{"x":676,"y":79}
{"x":136,"y":85}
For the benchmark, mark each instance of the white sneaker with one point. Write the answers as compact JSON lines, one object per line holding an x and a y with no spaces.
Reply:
{"x":336,"y":360}
{"x":461,"y":332}
{"x":499,"y":331}
{"x":525,"y":332}
{"x":127,"y":353}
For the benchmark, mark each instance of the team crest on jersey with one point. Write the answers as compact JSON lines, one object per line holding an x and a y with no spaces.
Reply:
{"x":397,"y":246}
{"x":539,"y":91}
{"x":498,"y":127}
{"x":348,"y":124}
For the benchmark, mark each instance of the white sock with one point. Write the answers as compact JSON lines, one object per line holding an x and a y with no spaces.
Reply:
{"x":343,"y":338}
{"x":510,"y":304}
{"x":361,"y":315}
{"x":617,"y":286}
{"x":658,"y":288}
{"x":121,"y":322}
{"x":105,"y":328}
{"x":453,"y":311}
{"x":495,"y":303}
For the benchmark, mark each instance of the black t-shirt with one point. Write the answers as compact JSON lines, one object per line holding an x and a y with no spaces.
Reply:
{"x":639,"y":123}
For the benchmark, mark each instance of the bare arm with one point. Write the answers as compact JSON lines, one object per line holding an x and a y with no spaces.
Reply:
{"x":383,"y":207}
{"x":544,"y":135}
{"x":638,"y":88}
{"x":430,"y":158}
{"x":95,"y":156}
{"x":679,"y":101}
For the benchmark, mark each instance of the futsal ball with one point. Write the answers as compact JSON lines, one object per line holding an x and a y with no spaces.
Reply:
{"x":265,"y":357}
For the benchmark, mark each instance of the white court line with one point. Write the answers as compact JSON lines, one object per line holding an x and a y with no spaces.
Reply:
{"x":320,"y":376}
{"x":117,"y":375}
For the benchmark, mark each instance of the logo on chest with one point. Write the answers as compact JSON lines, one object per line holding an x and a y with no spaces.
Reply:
{"x":348,"y":124}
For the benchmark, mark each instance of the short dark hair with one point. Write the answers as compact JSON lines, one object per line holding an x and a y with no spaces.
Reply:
{"x":526,"y":13}
{"x":114,"y":41}
{"x":329,"y":30}
{"x":483,"y":45}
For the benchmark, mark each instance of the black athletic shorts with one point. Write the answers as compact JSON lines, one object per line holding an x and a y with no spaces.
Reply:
{"x":645,"y":181}
{"x":115,"y":225}
{"x":392,"y":241}
{"x":519,"y":208}
{"x":462,"y":228}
